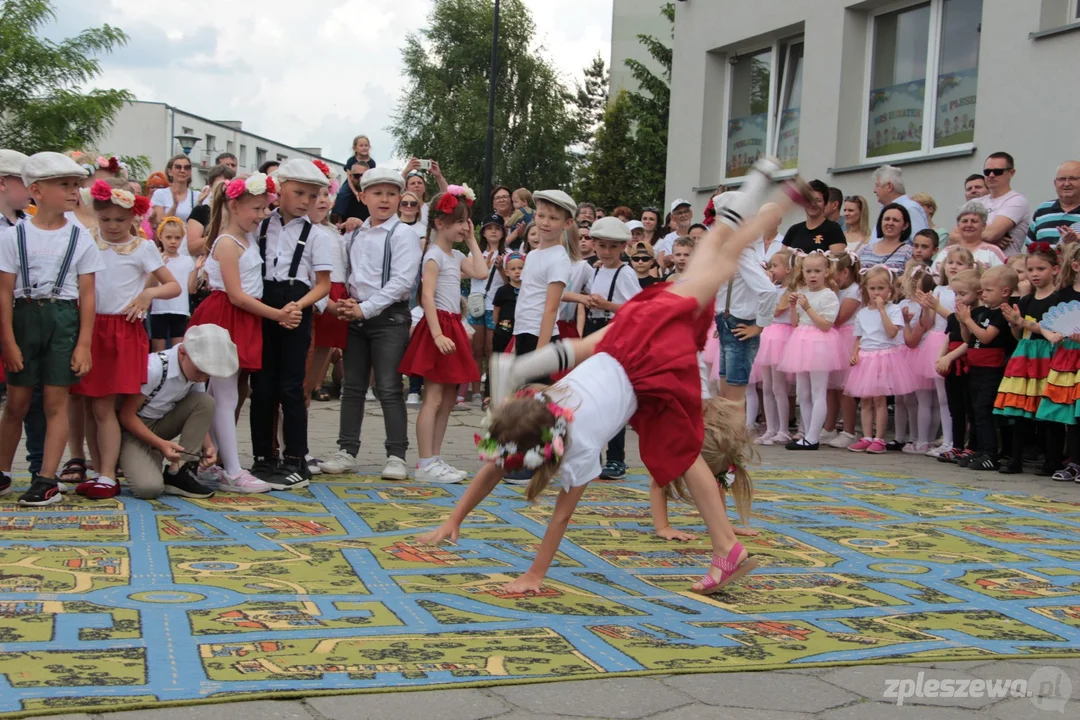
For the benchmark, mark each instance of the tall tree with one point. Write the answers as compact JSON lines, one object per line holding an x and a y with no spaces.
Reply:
{"x":442,"y":112}
{"x":650,"y":107}
{"x":41,"y":105}
{"x":592,"y":99}
{"x":608,"y":176}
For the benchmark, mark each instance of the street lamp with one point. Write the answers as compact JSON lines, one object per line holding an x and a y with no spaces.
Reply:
{"x":187,"y":142}
{"x":489,"y":148}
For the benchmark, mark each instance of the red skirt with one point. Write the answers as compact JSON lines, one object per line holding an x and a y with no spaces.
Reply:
{"x":656,"y":337}
{"x":244,"y":328}
{"x":118,"y":353}
{"x":424,"y":359}
{"x":330,"y":332}
{"x":567,"y":330}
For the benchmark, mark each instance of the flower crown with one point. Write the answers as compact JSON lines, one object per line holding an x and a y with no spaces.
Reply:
{"x":256,"y":184}
{"x":511,"y":457}
{"x":103,"y":192}
{"x":111,"y":164}
{"x":1041,"y":246}
{"x":449,"y":200}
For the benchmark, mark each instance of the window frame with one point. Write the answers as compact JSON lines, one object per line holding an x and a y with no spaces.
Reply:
{"x":776,"y":95}
{"x":933,"y":62}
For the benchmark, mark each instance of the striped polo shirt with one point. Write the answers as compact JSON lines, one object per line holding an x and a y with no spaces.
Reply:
{"x":1047,"y":220}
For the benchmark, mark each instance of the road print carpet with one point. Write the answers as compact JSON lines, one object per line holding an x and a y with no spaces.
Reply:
{"x":124,"y":604}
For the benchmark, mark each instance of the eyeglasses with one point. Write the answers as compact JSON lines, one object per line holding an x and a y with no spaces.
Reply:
{"x":502,"y":197}
{"x":409,"y":204}
{"x":996,"y":172}
{"x":1067,"y":179}
{"x":641,"y":258}
{"x":181,"y":167}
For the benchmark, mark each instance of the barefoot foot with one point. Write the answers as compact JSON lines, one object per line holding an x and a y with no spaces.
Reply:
{"x":746,"y":532}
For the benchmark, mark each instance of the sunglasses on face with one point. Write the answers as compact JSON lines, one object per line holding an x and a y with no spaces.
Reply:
{"x":409,"y":204}
{"x":357,"y":176}
{"x":641,"y":258}
{"x":181,"y":167}
{"x":996,"y":172}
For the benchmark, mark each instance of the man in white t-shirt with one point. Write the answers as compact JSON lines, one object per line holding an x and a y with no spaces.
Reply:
{"x":682,"y":216}
{"x":1008,"y":212}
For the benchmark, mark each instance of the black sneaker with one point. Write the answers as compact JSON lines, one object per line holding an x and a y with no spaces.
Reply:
{"x":265,"y":468}
{"x":5,"y":484}
{"x":613,"y":470}
{"x":802,"y":444}
{"x":965,"y":457}
{"x":1010,"y":469}
{"x":895,"y":446}
{"x":43,"y":491}
{"x":292,"y":474}
{"x":185,"y":482}
{"x":983,"y":462}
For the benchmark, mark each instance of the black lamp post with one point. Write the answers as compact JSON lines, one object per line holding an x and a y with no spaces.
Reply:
{"x":489,"y":148}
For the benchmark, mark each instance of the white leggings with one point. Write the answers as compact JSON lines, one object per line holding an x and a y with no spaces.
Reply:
{"x":774,"y":392}
{"x":812,"y":388}
{"x":915,"y":411}
{"x":752,"y":405}
{"x":943,"y":412}
{"x":226,"y":394}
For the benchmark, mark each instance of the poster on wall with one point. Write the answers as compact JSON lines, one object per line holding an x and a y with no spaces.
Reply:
{"x":896,"y":119}
{"x":745,"y":143}
{"x":787,"y":146}
{"x":955,"y":120}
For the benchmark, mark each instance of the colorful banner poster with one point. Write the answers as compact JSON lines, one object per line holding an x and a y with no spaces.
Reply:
{"x":787,"y":149}
{"x":745,"y":143}
{"x":896,"y":119}
{"x":955,"y":120}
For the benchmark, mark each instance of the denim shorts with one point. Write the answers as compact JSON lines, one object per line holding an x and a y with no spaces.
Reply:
{"x":487,"y":321}
{"x":736,"y":356}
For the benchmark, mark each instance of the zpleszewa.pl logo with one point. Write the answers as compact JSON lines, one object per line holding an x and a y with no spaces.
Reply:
{"x":1049,"y":688}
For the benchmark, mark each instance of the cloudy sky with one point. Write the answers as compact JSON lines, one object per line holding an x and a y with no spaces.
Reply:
{"x":218,"y":59}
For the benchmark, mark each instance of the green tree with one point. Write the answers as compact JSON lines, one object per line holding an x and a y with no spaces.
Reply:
{"x":608,"y":176}
{"x":41,"y":105}
{"x":442,"y":112}
{"x":591,"y":100}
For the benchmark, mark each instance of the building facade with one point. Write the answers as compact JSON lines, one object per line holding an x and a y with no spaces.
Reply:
{"x":836,"y":88}
{"x":150,"y":129}
{"x":630,"y":18}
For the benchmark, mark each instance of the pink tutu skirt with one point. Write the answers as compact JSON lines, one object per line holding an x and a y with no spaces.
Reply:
{"x":927,"y":354}
{"x":774,"y":339}
{"x":882,"y":372}
{"x":838,"y":378}
{"x":811,"y":350}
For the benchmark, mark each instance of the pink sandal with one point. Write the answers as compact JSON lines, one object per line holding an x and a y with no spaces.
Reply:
{"x":731,"y":570}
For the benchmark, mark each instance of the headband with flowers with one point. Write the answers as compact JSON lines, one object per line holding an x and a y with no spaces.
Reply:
{"x":256,"y":184}
{"x":553,"y":440}
{"x":449,"y":200}
{"x":111,"y":164}
{"x":103,"y":192}
{"x":1042,"y":246}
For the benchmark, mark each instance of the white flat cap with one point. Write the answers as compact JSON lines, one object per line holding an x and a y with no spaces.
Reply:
{"x":212,"y":350}
{"x":635,"y":225}
{"x":301,"y":171}
{"x":610,"y":228}
{"x":50,"y":165}
{"x":678,"y":204}
{"x":558,"y":198}
{"x":11,"y":162}
{"x":381,"y":176}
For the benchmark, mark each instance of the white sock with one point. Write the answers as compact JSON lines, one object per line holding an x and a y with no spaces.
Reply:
{"x":735,"y":208}
{"x":425,"y":463}
{"x":106,"y":480}
{"x":548,"y":360}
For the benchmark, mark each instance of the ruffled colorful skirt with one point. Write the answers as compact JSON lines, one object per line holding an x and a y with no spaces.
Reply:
{"x":1021,"y":390}
{"x":244,"y":328}
{"x":811,"y":350}
{"x":423,"y":357}
{"x":882,"y":372}
{"x":774,"y":340}
{"x":838,"y":378}
{"x":1061,"y":396}
{"x":118,"y":353}
{"x":927,"y":354}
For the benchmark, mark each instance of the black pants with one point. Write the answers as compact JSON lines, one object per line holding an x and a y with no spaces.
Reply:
{"x":616,"y":449}
{"x":280,"y":382}
{"x":983,"y":386}
{"x":956,"y":392}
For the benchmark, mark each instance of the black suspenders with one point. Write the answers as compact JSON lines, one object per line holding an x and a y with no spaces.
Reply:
{"x":298,"y":253}
{"x":611,"y":290}
{"x":65,"y":264}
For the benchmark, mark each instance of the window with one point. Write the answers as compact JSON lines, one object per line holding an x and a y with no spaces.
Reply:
{"x":211,"y":143}
{"x":924,"y":64}
{"x":230,"y":146}
{"x":243,"y":156}
{"x":260,"y":156}
{"x":764,"y":103}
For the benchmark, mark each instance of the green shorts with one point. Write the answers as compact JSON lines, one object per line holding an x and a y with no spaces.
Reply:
{"x":46,"y":333}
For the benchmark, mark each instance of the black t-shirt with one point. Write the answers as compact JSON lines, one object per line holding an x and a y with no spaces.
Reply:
{"x":987,"y":317}
{"x":352,"y":161}
{"x":820,"y":238}
{"x":506,"y":300}
{"x":201,"y":215}
{"x":592,"y":260}
{"x":346,"y":205}
{"x":648,"y":280}
{"x":952,"y":329}
{"x":1032,"y":308}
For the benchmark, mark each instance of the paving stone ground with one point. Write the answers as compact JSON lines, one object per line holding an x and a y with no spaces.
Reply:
{"x":846,"y":693}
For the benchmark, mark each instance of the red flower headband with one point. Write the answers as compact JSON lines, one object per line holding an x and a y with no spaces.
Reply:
{"x":449,"y":200}
{"x":103,"y":192}
{"x":1040,"y":247}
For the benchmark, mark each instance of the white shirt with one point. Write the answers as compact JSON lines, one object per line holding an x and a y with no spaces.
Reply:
{"x":480,"y":285}
{"x":871,"y":331}
{"x":163,"y":198}
{"x":181,"y":268}
{"x":851,"y":292}
{"x":765,"y":255}
{"x":542,"y":268}
{"x":947,"y":297}
{"x":175,"y":388}
{"x":783,"y":318}
{"x":667,"y":244}
{"x":753,"y":295}
{"x":579,"y":282}
{"x":338,"y":272}
{"x":448,"y":283}
{"x":281,"y":242}
{"x":916,"y":213}
{"x":824,"y":302}
{"x":5,"y":223}
{"x":124,"y":276}
{"x":603,"y":282}
{"x":365,"y":249}
{"x":603,"y":401}
{"x":1014,"y":206}
{"x":250,"y":263}
{"x":45,"y":251}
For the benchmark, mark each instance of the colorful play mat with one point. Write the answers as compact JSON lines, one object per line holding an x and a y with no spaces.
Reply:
{"x":124,"y":603}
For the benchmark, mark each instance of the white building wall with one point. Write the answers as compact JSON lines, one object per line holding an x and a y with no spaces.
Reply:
{"x":630,"y":18}
{"x":1025,"y":106}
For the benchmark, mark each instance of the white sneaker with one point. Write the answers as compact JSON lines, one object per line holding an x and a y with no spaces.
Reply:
{"x":915,"y":448}
{"x":477,"y":399}
{"x":245,"y":482}
{"x":213,"y":475}
{"x":340,"y":463}
{"x":413,"y":400}
{"x":313,"y":464}
{"x":437,"y":473}
{"x":395,"y":469}
{"x":461,"y":405}
{"x":827,"y":436}
{"x":463,"y":473}
{"x":780,"y":438}
{"x":939,"y":450}
{"x":842,"y":440}
{"x":370,"y":395}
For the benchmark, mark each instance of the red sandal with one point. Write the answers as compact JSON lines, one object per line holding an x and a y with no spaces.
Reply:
{"x":730,"y":570}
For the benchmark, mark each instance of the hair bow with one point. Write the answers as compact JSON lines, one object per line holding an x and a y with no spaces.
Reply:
{"x":886,"y":268}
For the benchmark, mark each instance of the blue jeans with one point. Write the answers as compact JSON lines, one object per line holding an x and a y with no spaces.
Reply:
{"x":736,"y":356}
{"x":34,"y":428}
